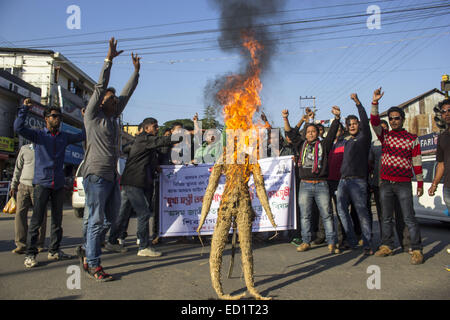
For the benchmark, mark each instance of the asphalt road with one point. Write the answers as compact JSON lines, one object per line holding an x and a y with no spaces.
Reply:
{"x":182,"y":273}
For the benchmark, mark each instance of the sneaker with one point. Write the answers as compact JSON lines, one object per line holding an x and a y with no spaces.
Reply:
{"x":115,"y":247}
{"x":416,"y":257}
{"x":303,"y":247}
{"x":383,"y":251}
{"x":149,"y":252}
{"x":19,"y":250}
{"x":333,"y":249}
{"x":99,"y":274}
{"x":121,"y":242}
{"x":138,"y":242}
{"x":30,"y":261}
{"x":59,"y":255}
{"x":296,"y":242}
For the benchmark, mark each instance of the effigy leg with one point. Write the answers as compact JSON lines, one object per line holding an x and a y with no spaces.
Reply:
{"x":244,"y":222}
{"x":219,"y":240}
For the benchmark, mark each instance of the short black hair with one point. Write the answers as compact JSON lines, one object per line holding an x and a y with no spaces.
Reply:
{"x":177,"y":123}
{"x":319,"y":125}
{"x":396,"y":109}
{"x":312,"y":125}
{"x":49,"y":110}
{"x":350,"y":117}
{"x":148,"y":121}
{"x":385,"y":122}
{"x":111,"y":89}
{"x":443,"y":103}
{"x":166,"y":130}
{"x":140,"y":126}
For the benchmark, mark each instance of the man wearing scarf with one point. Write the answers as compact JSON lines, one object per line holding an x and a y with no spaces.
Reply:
{"x":313,"y":173}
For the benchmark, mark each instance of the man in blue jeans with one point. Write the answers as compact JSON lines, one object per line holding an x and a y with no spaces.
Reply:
{"x":48,"y":181}
{"x":353,"y":183}
{"x":313,"y":174}
{"x":99,"y":170}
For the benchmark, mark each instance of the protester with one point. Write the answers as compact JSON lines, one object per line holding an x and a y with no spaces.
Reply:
{"x":22,"y":189}
{"x":99,"y":169}
{"x":50,"y":146}
{"x":353,"y":183}
{"x":133,"y":181}
{"x":209,"y":147}
{"x":443,"y":156}
{"x":313,"y":171}
{"x":374,"y":188}
{"x":400,"y":156}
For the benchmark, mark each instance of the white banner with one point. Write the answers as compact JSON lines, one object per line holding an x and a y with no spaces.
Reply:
{"x":182,"y":189}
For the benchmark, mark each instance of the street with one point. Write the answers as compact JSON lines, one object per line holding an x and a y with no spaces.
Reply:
{"x":182,"y":273}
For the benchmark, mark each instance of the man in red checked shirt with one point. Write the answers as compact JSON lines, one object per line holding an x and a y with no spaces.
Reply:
{"x":400,"y":156}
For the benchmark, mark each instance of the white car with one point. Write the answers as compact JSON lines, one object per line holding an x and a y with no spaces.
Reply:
{"x":427,"y":207}
{"x":78,"y":195}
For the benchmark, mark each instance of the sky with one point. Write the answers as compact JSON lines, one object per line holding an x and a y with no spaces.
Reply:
{"x":326,"y":50}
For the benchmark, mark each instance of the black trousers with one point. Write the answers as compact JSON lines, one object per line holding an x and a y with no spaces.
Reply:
{"x":42,"y":196}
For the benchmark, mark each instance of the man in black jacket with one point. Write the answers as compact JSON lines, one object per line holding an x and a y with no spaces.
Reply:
{"x":353,"y":184}
{"x":143,"y":152}
{"x":313,"y":174}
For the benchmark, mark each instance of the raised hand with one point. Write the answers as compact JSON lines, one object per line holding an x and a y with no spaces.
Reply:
{"x":136,"y":61}
{"x":27,"y":102}
{"x":263,"y":117}
{"x":377,"y":94}
{"x":354,"y":97}
{"x":285,"y":113}
{"x":112,"y":51}
{"x":336,"y":111}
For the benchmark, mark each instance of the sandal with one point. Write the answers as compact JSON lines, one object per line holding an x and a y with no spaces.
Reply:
{"x":81,"y":253}
{"x":99,"y":274}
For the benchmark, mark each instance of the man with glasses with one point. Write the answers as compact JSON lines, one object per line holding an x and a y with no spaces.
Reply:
{"x":443,"y":156}
{"x":50,"y":146}
{"x":400,"y":156}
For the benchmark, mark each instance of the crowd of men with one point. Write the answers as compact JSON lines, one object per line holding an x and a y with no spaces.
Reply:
{"x":336,"y":176}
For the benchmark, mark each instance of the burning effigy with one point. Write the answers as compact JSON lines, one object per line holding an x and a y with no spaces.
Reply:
{"x":240,"y":99}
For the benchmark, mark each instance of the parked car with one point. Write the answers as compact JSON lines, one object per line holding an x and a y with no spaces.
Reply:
{"x":78,"y":195}
{"x":427,"y":207}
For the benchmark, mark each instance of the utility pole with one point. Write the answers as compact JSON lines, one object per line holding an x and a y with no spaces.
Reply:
{"x":308,"y":98}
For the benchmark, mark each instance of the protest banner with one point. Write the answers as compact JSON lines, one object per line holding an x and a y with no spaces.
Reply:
{"x":182,"y":189}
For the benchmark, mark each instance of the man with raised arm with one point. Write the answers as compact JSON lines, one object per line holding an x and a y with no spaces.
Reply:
{"x":100,"y":176}
{"x":352,"y":186}
{"x":400,"y":155}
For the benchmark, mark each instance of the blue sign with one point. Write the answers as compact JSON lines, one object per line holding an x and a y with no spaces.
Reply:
{"x":428,"y":143}
{"x":74,"y":154}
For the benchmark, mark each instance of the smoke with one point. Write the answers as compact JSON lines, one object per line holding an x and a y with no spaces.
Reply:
{"x":238,"y":17}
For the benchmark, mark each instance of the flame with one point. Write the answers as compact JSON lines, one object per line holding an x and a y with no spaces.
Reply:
{"x":240,"y":96}
{"x":240,"y":99}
